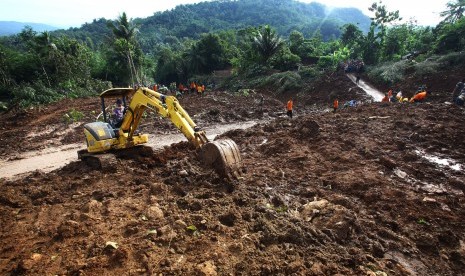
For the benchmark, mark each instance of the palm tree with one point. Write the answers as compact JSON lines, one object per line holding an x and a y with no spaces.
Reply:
{"x":267,"y":43}
{"x":124,"y":28}
{"x":124,"y":32}
{"x":455,"y":11}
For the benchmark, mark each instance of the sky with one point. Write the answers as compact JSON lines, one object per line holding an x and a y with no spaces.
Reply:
{"x":69,"y":13}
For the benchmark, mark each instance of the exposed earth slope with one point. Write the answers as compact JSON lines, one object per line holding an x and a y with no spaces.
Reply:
{"x":378,"y":188}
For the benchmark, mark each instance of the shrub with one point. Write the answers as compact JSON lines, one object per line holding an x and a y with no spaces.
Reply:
{"x":73,"y":116}
{"x":429,"y":66}
{"x":283,"y":82}
{"x":390,"y":72}
{"x":285,"y":60}
{"x":37,"y":93}
{"x":309,"y":72}
{"x":452,"y":59}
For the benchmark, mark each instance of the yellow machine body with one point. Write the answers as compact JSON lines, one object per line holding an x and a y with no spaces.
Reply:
{"x":102,"y":137}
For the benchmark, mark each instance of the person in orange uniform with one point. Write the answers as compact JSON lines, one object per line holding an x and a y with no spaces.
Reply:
{"x":385,"y":99}
{"x":193,"y":87}
{"x":289,"y":107}
{"x":335,"y":105}
{"x":389,"y":94}
{"x":419,"y":97}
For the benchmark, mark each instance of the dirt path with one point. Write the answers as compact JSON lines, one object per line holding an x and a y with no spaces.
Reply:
{"x":370,"y":90}
{"x":53,"y":158}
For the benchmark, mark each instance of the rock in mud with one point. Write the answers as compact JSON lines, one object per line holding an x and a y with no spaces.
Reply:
{"x":180,"y":224}
{"x":167,"y":233}
{"x":308,"y":210}
{"x":154,"y":213}
{"x":387,"y":162}
{"x":206,"y":269}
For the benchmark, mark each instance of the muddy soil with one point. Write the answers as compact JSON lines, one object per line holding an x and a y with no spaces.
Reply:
{"x":373,"y":190}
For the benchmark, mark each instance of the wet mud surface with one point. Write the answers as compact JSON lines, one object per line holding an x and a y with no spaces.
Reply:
{"x":374,"y":189}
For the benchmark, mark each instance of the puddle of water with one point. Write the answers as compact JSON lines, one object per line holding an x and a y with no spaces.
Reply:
{"x":445,"y":162}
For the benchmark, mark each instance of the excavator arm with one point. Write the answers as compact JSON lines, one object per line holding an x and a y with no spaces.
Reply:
{"x":166,"y":106}
{"x":223,"y":155}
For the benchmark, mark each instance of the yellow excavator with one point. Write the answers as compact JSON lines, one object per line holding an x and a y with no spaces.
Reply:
{"x":106,"y":137}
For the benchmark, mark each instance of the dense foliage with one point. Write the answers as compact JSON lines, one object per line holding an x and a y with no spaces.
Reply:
{"x":191,"y":21}
{"x":264,"y":42}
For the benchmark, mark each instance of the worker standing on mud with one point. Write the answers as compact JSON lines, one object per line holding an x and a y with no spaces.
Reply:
{"x":458,"y":91}
{"x":335,"y":105}
{"x":357,"y":78}
{"x":289,"y":107}
{"x":385,"y":99}
{"x":389,"y":95}
{"x":419,"y":97}
{"x":193,"y":87}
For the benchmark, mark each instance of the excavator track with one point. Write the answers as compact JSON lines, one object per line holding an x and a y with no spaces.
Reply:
{"x":108,"y":161}
{"x":223,"y":156}
{"x":102,"y":161}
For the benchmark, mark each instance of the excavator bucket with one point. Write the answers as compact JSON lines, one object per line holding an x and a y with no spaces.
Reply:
{"x":224,"y":156}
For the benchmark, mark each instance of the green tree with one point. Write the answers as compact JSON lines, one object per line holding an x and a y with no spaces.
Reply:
{"x":266,"y":43}
{"x":296,"y":43}
{"x":451,"y":37}
{"x":351,"y":34}
{"x":382,"y":18}
{"x":167,"y":66}
{"x":207,"y":54}
{"x":370,"y":47}
{"x":455,"y":11}
{"x":125,"y":53}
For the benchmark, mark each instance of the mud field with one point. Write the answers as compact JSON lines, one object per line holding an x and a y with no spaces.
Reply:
{"x":376,"y":189}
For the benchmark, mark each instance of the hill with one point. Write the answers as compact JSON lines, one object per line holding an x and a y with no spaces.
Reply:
{"x":191,"y":20}
{"x":13,"y":27}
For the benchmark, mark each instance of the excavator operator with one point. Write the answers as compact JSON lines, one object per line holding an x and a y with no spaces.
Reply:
{"x":118,"y":114}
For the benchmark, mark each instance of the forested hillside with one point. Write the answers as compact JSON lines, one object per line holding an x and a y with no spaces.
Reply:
{"x":190,"y":21}
{"x":282,"y":44}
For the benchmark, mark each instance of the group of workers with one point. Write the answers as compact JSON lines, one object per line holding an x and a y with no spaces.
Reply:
{"x":458,"y":97}
{"x":180,"y":89}
{"x":419,"y":96}
{"x":193,"y":88}
{"x":354,"y":65}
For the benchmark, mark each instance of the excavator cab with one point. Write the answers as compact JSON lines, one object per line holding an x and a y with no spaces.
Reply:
{"x":108,"y":98}
{"x":105,"y":136}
